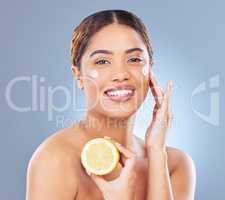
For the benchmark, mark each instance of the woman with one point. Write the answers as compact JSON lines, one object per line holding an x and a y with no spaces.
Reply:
{"x":112,"y":62}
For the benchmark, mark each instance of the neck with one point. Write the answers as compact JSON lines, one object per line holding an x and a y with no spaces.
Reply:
{"x":118,"y":129}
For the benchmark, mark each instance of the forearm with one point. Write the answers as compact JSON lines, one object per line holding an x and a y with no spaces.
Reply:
{"x":159,"y":186}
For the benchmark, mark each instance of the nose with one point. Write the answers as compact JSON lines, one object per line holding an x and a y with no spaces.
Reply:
{"x":120,"y":75}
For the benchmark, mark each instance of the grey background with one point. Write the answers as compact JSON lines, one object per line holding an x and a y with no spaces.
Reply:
{"x":188,"y":40}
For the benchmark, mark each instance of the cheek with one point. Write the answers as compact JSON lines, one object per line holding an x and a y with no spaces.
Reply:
{"x":92,"y":73}
{"x":142,"y":75}
{"x":91,"y":83}
{"x":142,"y":81}
{"x":91,"y":93}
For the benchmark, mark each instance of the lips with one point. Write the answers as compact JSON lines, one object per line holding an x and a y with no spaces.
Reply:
{"x":120,"y":93}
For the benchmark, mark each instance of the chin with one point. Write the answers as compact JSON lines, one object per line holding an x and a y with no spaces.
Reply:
{"x":119,"y":114}
{"x":122,"y":112}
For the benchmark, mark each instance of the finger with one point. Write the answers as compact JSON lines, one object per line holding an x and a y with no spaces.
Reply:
{"x":169,"y":97}
{"x":163,"y":116}
{"x":155,"y":109}
{"x":165,"y":102}
{"x":129,"y":168}
{"x":170,"y":114}
{"x":125,"y":152}
{"x":121,"y":159}
{"x":129,"y":162}
{"x":169,"y":107}
{"x":155,"y":88}
{"x":170,"y":119}
{"x":157,"y":94}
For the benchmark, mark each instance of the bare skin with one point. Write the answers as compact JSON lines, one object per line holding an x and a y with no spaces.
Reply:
{"x":61,"y":152}
{"x":55,"y":171}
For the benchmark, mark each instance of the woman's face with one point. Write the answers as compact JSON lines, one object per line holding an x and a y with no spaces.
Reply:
{"x":114,"y":71}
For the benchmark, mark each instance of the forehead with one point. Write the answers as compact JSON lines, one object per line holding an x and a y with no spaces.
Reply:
{"x":117,"y":38}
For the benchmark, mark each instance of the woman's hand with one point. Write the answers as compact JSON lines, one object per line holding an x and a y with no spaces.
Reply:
{"x":162,"y":116}
{"x":123,"y":186}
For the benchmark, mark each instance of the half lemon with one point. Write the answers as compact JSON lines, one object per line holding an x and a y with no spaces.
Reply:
{"x":100,"y":156}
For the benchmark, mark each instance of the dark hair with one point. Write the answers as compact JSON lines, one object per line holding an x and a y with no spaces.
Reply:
{"x":93,"y":23}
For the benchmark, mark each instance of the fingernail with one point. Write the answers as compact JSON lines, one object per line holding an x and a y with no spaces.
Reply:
{"x":118,"y":144}
{"x":107,"y":137}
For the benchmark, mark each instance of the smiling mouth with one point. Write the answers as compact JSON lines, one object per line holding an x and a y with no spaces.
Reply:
{"x":120,"y":95}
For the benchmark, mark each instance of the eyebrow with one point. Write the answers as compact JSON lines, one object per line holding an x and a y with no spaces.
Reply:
{"x":110,"y":52}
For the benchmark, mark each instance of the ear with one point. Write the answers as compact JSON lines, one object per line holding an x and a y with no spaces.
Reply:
{"x":77,"y":74}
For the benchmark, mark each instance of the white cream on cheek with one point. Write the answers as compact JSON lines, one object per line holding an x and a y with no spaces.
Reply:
{"x":92,"y":73}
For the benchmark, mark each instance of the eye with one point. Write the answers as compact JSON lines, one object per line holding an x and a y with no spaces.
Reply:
{"x":136,"y":60}
{"x":101,"y":62}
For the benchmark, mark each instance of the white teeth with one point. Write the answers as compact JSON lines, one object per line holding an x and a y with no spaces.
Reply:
{"x":119,"y":93}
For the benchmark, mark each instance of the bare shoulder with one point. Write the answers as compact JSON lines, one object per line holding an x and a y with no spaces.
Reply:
{"x":59,"y":145}
{"x":54,"y":164}
{"x":180,"y":159}
{"x":183,"y":176}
